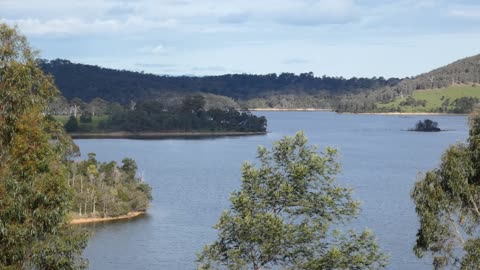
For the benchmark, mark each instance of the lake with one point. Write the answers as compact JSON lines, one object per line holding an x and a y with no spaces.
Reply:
{"x":192,"y":180}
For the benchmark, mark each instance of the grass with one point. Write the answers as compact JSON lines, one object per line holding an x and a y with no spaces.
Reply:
{"x":434,"y":98}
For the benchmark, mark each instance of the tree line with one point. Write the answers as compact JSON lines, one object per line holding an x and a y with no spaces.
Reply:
{"x":88,"y":82}
{"x":285,"y":90}
{"x":155,"y":116}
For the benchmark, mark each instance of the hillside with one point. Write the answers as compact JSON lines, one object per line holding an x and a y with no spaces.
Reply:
{"x":455,"y":77}
{"x":464,"y":71}
{"x":283,"y":90}
{"x":453,"y":99}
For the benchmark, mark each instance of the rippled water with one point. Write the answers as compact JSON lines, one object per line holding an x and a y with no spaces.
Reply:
{"x":192,"y":180}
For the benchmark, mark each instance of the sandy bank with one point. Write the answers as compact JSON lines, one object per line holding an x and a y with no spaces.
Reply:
{"x":159,"y":135}
{"x":104,"y":219}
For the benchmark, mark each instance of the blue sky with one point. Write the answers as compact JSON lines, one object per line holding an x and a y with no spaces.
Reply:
{"x":361,"y":38}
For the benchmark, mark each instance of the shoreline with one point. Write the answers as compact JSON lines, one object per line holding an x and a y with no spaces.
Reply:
{"x":411,"y":113}
{"x":87,"y":220}
{"x":289,"y":110}
{"x":159,"y":135}
{"x":372,"y":113}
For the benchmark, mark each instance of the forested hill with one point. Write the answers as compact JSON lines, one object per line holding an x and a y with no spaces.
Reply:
{"x":462,"y":73}
{"x":88,"y":82}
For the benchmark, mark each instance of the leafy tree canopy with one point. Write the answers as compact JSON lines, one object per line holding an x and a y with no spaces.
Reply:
{"x":426,"y":125}
{"x":447,"y":202}
{"x":34,"y":193}
{"x":284,"y":213}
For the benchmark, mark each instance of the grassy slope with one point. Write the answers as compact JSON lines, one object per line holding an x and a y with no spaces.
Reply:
{"x":434,"y":98}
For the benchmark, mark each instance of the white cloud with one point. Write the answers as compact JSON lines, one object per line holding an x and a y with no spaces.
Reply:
{"x":263,"y":36}
{"x":316,"y":12}
{"x":466,"y":12}
{"x":76,"y":26}
{"x":104,"y":16}
{"x":158,"y":49}
{"x":425,"y":3}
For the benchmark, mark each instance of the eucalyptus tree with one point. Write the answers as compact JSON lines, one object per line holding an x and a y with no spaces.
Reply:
{"x":34,"y":193}
{"x":285,"y":213}
{"x":447,"y":202}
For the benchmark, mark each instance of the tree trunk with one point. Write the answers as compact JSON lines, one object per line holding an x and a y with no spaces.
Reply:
{"x":94,"y":201}
{"x":104,"y":208}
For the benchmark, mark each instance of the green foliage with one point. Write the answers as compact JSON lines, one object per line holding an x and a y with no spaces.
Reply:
{"x":284,"y":213}
{"x":461,"y":77}
{"x":72,"y":124}
{"x":447,"y":202}
{"x":106,"y":189}
{"x":34,"y":194}
{"x":193,"y":104}
{"x":410,"y":101}
{"x":129,"y":167}
{"x":86,"y":117}
{"x":426,"y":125}
{"x":88,"y":82}
{"x":190,"y":116}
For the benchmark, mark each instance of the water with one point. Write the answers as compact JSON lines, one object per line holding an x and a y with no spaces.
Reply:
{"x":192,"y":180}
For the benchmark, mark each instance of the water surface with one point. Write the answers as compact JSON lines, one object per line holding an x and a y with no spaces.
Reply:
{"x":192,"y":180}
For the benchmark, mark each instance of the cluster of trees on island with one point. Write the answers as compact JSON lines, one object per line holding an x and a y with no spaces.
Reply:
{"x":287,"y":213}
{"x":105,"y":189}
{"x":154,"y":116}
{"x":426,"y":125}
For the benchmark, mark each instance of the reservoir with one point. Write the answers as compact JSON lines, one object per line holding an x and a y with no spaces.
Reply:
{"x":193,"y":178}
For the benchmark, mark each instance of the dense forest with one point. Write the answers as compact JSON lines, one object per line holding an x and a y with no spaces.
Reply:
{"x":190,"y":115}
{"x":285,"y":90}
{"x":88,"y":82}
{"x":106,"y":189}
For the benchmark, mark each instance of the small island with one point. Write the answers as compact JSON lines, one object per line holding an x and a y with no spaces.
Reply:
{"x":426,"y":125}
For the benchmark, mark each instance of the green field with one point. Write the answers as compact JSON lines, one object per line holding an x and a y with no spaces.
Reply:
{"x":434,"y":98}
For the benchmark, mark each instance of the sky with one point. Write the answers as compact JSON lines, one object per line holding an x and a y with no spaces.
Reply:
{"x":348,"y":38}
